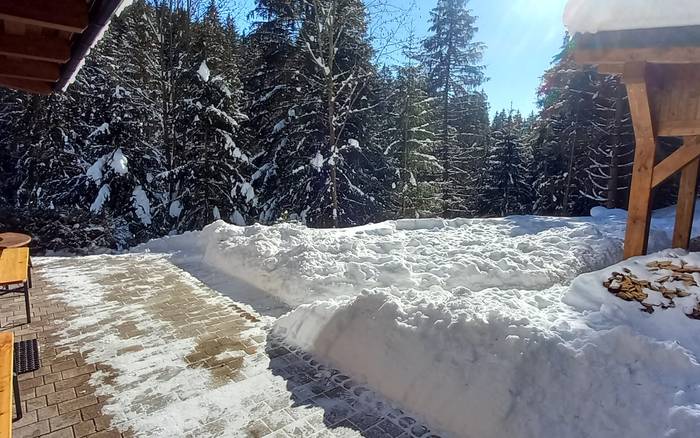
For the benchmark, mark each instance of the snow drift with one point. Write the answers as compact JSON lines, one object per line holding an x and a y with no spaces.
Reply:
{"x":473,"y":323}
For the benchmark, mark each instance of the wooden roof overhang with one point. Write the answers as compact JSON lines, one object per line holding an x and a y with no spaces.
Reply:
{"x":43,"y":42}
{"x":661,"y":70}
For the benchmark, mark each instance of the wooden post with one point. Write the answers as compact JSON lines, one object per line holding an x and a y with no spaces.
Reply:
{"x":685,"y":210}
{"x":639,"y":211}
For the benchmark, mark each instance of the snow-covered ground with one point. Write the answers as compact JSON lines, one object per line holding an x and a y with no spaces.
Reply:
{"x":486,"y":328}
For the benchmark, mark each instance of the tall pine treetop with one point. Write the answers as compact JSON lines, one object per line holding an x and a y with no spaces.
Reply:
{"x":451,"y":56}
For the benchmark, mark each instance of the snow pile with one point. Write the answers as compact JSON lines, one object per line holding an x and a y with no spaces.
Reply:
{"x":472,"y":323}
{"x":522,"y":365}
{"x":592,"y":16}
{"x":302,"y":265}
{"x":607,"y":311}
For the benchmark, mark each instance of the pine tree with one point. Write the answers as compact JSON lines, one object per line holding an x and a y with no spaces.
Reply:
{"x":507,"y":175}
{"x":413,"y":147}
{"x":325,"y":171}
{"x":273,"y":86}
{"x":584,"y":142}
{"x":213,"y":181}
{"x":120,"y":135}
{"x":452,"y":59}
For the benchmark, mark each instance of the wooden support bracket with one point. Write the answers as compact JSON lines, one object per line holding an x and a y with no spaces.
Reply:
{"x":639,"y":212}
{"x":677,"y":160}
{"x":687,"y":194}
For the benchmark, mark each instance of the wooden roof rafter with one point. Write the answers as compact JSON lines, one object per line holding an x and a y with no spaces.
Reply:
{"x":66,"y":15}
{"x":43,"y":42}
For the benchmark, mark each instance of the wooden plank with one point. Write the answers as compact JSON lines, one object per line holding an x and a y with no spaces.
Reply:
{"x":679,"y":128}
{"x":683,"y":36}
{"x":611,"y":69}
{"x":639,"y":211}
{"x":7,"y":340}
{"x":14,"y":266}
{"x":29,"y":69}
{"x":68,"y":15}
{"x":687,"y":194}
{"x":29,"y":86}
{"x":40,"y":48}
{"x":677,"y":160}
{"x":671,"y":55}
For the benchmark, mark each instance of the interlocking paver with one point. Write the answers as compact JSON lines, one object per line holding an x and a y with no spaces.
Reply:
{"x":65,"y":420}
{"x":136,"y":334}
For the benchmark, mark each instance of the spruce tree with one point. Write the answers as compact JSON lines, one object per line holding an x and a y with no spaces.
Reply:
{"x":413,"y":146}
{"x":508,"y":187}
{"x":325,"y":171}
{"x":213,"y":181}
{"x":452,"y":59}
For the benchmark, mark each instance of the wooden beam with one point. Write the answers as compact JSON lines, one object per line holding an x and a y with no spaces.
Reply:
{"x":662,"y":37}
{"x":611,"y":69}
{"x":677,"y":160}
{"x":29,"y":69}
{"x":35,"y":47}
{"x":36,"y":87}
{"x":687,"y":194}
{"x":67,"y":15}
{"x":639,"y":211}
{"x":679,"y":128}
{"x":670,"y":55}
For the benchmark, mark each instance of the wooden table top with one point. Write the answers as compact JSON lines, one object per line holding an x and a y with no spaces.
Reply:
{"x":14,"y":240}
{"x":14,"y":263}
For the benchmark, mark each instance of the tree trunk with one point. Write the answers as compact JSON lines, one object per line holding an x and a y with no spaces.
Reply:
{"x":330,"y":29}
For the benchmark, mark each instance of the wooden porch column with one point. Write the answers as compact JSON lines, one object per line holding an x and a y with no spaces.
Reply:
{"x":639,"y":212}
{"x":685,"y":210}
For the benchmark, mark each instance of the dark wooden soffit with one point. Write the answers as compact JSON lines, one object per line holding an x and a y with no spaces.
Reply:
{"x":42,"y":42}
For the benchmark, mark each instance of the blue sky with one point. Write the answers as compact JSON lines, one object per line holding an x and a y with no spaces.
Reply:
{"x":521,"y":37}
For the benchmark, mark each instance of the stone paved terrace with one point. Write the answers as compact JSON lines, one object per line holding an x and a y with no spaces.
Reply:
{"x":133,"y":346}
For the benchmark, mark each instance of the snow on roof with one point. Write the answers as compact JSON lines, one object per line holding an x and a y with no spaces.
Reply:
{"x":593,"y":16}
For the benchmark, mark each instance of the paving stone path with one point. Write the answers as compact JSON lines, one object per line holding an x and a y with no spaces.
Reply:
{"x":131,"y":345}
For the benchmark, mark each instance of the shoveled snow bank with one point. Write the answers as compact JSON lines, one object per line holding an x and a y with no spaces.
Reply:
{"x":464,"y":321}
{"x":302,"y":265}
{"x":592,"y":16}
{"x":506,"y":364}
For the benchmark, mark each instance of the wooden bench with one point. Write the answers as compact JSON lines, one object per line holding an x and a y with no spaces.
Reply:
{"x":14,"y":271}
{"x":8,"y":385}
